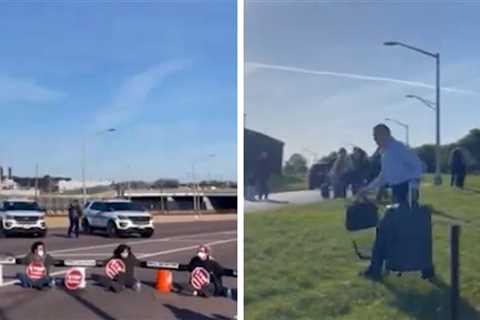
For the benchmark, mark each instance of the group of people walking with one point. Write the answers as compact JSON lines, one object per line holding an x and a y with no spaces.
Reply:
{"x":357,"y":170}
{"x":352,"y":170}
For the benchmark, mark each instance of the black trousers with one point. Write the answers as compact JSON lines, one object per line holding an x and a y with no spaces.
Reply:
{"x":74,"y":226}
{"x":121,"y":281}
{"x":400,"y":193}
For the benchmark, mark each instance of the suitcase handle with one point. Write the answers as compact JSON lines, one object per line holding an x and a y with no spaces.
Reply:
{"x":359,"y":254}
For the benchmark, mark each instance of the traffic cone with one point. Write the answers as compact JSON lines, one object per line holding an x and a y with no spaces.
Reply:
{"x":163,"y":282}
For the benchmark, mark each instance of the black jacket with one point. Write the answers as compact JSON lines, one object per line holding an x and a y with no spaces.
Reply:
{"x":75,"y":212}
{"x":215,"y":270}
{"x":130,"y":263}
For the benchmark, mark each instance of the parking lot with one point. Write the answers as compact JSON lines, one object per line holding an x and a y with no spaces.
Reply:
{"x":172,"y":242}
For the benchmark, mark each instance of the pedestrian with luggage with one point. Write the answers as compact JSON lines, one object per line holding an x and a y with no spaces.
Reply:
{"x":401,"y":169}
{"x":458,"y":168}
{"x":75,"y":214}
{"x":360,"y":169}
{"x":38,"y":264}
{"x":339,"y":173}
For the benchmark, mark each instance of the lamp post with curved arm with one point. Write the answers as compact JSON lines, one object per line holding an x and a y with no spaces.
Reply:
{"x":84,"y":152}
{"x":437,"y":179}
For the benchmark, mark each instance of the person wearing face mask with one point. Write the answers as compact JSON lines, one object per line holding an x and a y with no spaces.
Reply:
{"x":126,"y":278}
{"x":38,"y":263}
{"x":204,"y":259}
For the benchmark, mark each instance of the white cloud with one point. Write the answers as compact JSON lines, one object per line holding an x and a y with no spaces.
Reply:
{"x":15,"y":90}
{"x":252,"y":67}
{"x":132,"y":95}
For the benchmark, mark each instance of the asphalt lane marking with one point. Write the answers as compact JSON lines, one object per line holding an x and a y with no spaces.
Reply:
{"x":9,"y":283}
{"x":186,"y":248}
{"x":110,"y":245}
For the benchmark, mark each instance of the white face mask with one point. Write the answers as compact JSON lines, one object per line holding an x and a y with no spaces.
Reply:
{"x":40,"y":253}
{"x":124,"y":255}
{"x":202,"y":255}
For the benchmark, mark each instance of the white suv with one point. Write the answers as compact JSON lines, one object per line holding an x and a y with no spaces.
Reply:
{"x":21,"y":216}
{"x":117,"y":217}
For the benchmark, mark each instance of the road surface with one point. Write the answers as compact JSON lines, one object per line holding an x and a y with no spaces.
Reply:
{"x":278,"y":200}
{"x":172,"y":242}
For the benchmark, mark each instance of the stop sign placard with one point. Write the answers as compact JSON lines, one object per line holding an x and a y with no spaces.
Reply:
{"x":36,"y":270}
{"x":74,"y":278}
{"x":199,"y":278}
{"x":114,"y":267}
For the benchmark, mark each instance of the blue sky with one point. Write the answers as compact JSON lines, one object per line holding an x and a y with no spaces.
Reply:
{"x":323,"y":112}
{"x":162,"y":73}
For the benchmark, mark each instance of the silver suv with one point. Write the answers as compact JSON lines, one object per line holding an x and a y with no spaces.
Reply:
{"x":117,"y":217}
{"x":21,"y":216}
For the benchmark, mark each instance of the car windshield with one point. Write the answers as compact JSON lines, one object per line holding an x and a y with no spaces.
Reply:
{"x":122,"y":206}
{"x":21,"y":206}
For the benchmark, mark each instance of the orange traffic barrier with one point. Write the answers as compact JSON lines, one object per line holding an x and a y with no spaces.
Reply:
{"x":163,"y":282}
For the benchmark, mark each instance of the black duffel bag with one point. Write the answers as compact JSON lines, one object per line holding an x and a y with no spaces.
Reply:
{"x":361,"y":215}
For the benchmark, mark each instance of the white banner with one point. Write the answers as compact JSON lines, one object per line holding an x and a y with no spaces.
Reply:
{"x":163,"y":265}
{"x":80,"y":263}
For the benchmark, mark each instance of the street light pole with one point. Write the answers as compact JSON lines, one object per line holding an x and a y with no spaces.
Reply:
{"x":313,"y":154}
{"x":196,"y":187}
{"x":405,"y":126}
{"x":84,"y":151}
{"x":437,"y":179}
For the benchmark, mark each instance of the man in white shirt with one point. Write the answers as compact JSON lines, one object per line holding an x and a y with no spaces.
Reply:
{"x":401,"y":167}
{"x":401,"y":170}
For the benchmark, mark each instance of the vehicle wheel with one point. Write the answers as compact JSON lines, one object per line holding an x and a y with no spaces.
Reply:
{"x":42,"y":234}
{"x":2,"y":232}
{"x":112,"y":229}
{"x":86,"y":227}
{"x":147,"y":234}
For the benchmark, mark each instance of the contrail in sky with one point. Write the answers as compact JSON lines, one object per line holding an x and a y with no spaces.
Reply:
{"x":256,"y":65}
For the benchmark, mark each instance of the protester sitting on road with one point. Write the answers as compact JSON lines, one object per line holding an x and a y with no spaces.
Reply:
{"x":401,"y":169}
{"x":205,"y":260}
{"x":75,"y":214}
{"x":37,"y":273}
{"x":339,"y":173}
{"x":120,"y":273}
{"x":458,"y":168}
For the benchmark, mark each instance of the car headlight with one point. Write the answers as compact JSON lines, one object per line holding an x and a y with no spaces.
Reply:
{"x":9,"y":217}
{"x":122,"y":217}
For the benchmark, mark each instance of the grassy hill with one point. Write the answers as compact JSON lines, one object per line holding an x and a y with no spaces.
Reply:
{"x":299,"y":264}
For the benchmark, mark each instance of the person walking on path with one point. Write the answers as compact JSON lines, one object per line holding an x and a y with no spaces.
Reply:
{"x":262,"y":175}
{"x":458,"y":168}
{"x":339,"y":172}
{"x":75,"y":214}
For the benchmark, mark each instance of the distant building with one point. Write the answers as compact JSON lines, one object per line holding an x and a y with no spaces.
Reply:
{"x":45,"y":184}
{"x":66,"y":185}
{"x":255,"y":143}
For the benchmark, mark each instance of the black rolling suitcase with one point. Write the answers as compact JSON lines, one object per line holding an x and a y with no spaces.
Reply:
{"x":409,"y":239}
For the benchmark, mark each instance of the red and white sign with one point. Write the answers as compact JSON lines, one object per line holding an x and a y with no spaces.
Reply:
{"x":199,"y":278}
{"x":36,"y":270}
{"x":114,"y":267}
{"x":75,"y":278}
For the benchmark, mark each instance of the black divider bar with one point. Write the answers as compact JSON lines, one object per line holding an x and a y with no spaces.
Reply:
{"x":101,"y":263}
